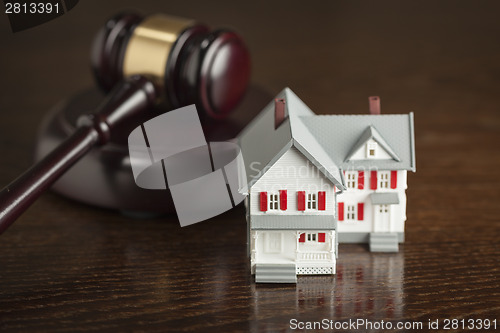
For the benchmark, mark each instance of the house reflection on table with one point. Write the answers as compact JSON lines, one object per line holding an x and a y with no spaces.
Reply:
{"x":366,"y":285}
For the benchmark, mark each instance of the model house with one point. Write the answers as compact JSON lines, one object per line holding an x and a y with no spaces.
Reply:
{"x":292,"y":185}
{"x":306,"y":171}
{"x":375,"y":152}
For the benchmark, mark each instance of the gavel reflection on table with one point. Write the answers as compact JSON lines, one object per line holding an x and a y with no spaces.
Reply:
{"x":144,"y":61}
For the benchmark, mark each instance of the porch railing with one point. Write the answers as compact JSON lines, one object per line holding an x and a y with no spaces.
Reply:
{"x":318,"y":255}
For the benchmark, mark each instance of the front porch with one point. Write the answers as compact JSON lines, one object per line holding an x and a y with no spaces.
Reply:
{"x":276,"y":253}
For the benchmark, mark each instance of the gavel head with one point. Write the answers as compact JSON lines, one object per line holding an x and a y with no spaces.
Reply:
{"x":190,"y":63}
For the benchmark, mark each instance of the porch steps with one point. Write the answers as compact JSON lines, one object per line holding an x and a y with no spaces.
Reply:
{"x":384,"y":242}
{"x":275,"y":273}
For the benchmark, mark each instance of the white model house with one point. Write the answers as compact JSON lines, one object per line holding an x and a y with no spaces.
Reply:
{"x":373,"y":208}
{"x":292,"y":184}
{"x":306,"y":171}
{"x":374,"y":152}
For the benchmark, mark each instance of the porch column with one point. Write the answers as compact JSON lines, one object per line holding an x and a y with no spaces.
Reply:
{"x":297,"y":235}
{"x":253,"y":249}
{"x":332,"y":243}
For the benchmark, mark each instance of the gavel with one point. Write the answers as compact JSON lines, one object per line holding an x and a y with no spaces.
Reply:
{"x":143,"y":62}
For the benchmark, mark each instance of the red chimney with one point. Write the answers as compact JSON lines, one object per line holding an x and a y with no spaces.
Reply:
{"x":279,"y":112}
{"x":374,"y":104}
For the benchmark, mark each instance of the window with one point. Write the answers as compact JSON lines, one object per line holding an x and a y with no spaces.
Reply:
{"x":313,"y":237}
{"x":383,"y":179}
{"x":319,"y":237}
{"x":384,"y":209}
{"x":311,"y":201}
{"x":273,"y":202}
{"x":351,"y":180}
{"x":351,"y":212}
{"x":371,"y":149}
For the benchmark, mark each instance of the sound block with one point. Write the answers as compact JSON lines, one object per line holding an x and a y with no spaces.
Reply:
{"x":104,"y":177}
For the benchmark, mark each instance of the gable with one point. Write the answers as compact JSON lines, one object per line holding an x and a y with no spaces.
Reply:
{"x":292,"y":171}
{"x":371,"y":149}
{"x":371,"y":146}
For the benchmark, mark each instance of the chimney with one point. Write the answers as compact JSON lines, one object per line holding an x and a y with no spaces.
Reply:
{"x":374,"y":104}
{"x":279,"y":112}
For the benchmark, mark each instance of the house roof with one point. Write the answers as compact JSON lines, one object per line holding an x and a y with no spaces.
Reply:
{"x":328,"y":141}
{"x":340,"y":135}
{"x":262,"y":145}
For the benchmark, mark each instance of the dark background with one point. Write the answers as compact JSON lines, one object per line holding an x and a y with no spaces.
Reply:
{"x":66,"y":266}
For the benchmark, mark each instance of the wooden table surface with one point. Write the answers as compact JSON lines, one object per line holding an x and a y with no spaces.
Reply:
{"x":65,"y":266}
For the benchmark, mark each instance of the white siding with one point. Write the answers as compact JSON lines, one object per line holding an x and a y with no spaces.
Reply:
{"x":292,"y":172}
{"x":353,"y":197}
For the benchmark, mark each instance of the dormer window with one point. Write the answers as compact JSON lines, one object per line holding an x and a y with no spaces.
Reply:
{"x":371,"y":150}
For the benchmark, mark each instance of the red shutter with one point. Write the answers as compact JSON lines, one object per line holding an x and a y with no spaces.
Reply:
{"x":361,"y":211}
{"x":361,"y":180}
{"x":341,"y":211}
{"x":373,"y":180}
{"x":283,"y":200}
{"x":263,"y":201}
{"x":321,"y":200}
{"x":394,"y":179}
{"x":321,"y":237}
{"x":302,"y":237}
{"x":301,"y":200}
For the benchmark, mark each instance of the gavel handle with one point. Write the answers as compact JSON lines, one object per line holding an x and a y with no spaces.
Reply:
{"x":132,"y":96}
{"x":16,"y":197}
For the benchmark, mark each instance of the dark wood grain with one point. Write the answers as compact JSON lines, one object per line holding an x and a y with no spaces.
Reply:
{"x":66,"y":266}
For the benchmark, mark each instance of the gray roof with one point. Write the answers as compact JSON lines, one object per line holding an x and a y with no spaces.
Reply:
{"x":262,"y":145}
{"x":339,"y":135}
{"x":384,"y":198}
{"x":303,"y":221}
{"x":328,"y":141}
